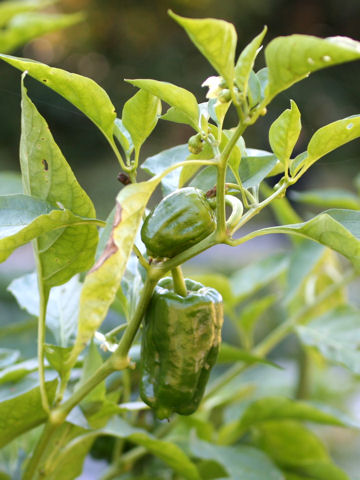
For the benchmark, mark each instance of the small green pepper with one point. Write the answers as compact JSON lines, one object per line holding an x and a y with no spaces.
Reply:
{"x":179,"y":221}
{"x":180,"y":343}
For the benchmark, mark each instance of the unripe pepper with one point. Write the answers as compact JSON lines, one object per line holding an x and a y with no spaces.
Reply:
{"x":179,"y":221}
{"x":180,"y":343}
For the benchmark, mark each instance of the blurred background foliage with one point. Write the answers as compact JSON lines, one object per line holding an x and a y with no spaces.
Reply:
{"x":137,"y":39}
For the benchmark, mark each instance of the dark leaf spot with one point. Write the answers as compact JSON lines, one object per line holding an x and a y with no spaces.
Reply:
{"x":46,"y":165}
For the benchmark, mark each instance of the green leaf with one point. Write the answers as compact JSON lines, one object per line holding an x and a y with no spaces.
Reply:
{"x":229,"y":354}
{"x":282,"y":408}
{"x":303,"y":261}
{"x":255,"y":166}
{"x":329,"y":138}
{"x":123,"y":136}
{"x":9,"y":9}
{"x":293,"y":57}
{"x":103,"y":280}
{"x":58,"y":358}
{"x":251,"y":278}
{"x":251,"y":313}
{"x":175,"y":96}
{"x":176,"y":115}
{"x":140,"y":116}
{"x":337,"y":229}
{"x":81,"y":91}
{"x":241,"y":462}
{"x":167,"y":451}
{"x":26,"y":26}
{"x":23,"y":411}
{"x":10,"y":183}
{"x":8,"y":357}
{"x":336,"y":335}
{"x":92,"y":362}
{"x":254,"y":90}
{"x":62,"y":308}
{"x":47,"y":175}
{"x":246,"y":61}
{"x":289,"y":443}
{"x":216,"y":40}
{"x":23,"y":218}
{"x":16,"y":372}
{"x":156,"y":164}
{"x":327,"y":198}
{"x":284,"y":133}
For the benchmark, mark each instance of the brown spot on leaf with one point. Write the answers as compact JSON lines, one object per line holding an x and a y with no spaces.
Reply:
{"x":111,"y":248}
{"x":211,"y":193}
{"x":46,"y":165}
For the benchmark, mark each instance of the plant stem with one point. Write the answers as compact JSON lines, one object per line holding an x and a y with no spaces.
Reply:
{"x":179,"y":282}
{"x":302,"y":387}
{"x":30,"y":470}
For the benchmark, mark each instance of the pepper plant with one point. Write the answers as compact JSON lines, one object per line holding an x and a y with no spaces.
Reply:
{"x":87,"y":267}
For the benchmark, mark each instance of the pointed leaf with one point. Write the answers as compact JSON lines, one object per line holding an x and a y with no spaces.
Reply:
{"x":277,"y":408}
{"x":167,"y":451}
{"x":58,"y":358}
{"x":246,"y":61}
{"x":47,"y":175}
{"x":336,"y":335}
{"x":62,"y":307}
{"x":327,"y":198}
{"x":103,"y":280}
{"x":292,"y":58}
{"x":241,"y":461}
{"x":284,"y":133}
{"x":140,"y":116}
{"x":252,"y":277}
{"x":329,"y":138}
{"x":175,"y":96}
{"x":81,"y":91}
{"x":27,"y":26}
{"x":23,"y":218}
{"x":216,"y":40}
{"x":22,"y":411}
{"x":156,"y":164}
{"x":336,"y":228}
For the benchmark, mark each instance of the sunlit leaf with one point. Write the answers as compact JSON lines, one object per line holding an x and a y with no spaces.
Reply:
{"x":284,"y":133}
{"x":81,"y":91}
{"x":293,"y":57}
{"x":175,"y":96}
{"x":246,"y":61}
{"x":216,"y":40}
{"x":140,"y":115}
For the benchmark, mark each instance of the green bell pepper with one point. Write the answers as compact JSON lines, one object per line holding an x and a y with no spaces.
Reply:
{"x":180,"y":343}
{"x":180,"y":220}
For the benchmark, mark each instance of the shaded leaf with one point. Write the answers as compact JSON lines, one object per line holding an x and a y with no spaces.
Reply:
{"x":16,"y":372}
{"x":336,"y":335}
{"x":23,"y":218}
{"x":58,"y":358}
{"x":251,"y":278}
{"x":229,"y":354}
{"x":336,"y":228}
{"x":62,"y":307}
{"x":22,"y":412}
{"x":156,"y":164}
{"x":123,"y":136}
{"x":241,"y":462}
{"x":10,"y":183}
{"x":327,"y":198}
{"x":255,"y":166}
{"x":8,"y":357}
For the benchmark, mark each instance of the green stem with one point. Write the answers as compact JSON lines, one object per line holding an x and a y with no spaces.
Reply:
{"x":34,"y":461}
{"x":115,"y":331}
{"x":43,"y":299}
{"x":179,"y":282}
{"x":140,"y":257}
{"x":302,"y":387}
